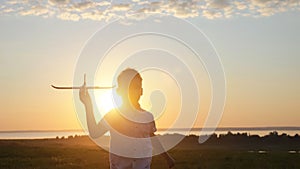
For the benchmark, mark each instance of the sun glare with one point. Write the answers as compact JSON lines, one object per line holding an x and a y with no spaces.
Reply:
{"x":105,"y":101}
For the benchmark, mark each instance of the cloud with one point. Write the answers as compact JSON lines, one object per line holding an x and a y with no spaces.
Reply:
{"x":219,"y":4}
{"x":240,"y":5}
{"x":36,"y":10}
{"x":58,"y":2}
{"x":69,"y":16}
{"x":120,"y":7}
{"x":100,"y":10}
{"x":82,"y":5}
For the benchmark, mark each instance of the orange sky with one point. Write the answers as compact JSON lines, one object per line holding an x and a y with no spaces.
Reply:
{"x":260,"y":58}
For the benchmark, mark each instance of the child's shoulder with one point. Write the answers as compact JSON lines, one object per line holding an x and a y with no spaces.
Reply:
{"x":147,"y":114}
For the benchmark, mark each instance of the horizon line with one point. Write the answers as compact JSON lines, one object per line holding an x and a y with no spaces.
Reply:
{"x":177,"y":129}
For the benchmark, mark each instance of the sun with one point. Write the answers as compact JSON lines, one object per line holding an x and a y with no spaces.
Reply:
{"x":107,"y":100}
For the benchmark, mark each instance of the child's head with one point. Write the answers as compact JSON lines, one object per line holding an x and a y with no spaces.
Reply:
{"x":130,"y":86}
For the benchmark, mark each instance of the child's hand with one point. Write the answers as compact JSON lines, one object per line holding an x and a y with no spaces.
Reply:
{"x":84,"y":95}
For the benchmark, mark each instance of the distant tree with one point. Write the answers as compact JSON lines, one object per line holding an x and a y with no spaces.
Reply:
{"x":283,"y":135}
{"x":229,"y":133}
{"x":273,"y":133}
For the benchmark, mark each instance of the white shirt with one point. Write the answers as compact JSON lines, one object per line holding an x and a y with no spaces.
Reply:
{"x":130,"y":132}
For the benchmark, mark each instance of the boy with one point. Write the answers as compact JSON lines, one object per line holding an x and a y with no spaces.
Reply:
{"x":130,"y":127}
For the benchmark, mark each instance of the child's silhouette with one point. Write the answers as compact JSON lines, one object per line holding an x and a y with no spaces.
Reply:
{"x":130,"y":127}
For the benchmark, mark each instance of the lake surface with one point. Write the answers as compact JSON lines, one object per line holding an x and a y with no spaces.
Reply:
{"x":261,"y":131}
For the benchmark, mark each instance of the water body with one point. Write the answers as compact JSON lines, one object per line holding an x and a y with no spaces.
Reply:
{"x":261,"y":131}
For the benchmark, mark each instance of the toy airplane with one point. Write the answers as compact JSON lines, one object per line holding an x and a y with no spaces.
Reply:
{"x":78,"y":87}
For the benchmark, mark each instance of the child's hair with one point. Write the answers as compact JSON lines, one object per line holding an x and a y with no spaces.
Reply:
{"x":126,"y":76}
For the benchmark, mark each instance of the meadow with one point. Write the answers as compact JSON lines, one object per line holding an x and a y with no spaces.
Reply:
{"x":226,"y":153}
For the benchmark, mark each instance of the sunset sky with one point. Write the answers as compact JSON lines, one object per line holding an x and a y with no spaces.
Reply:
{"x":257,"y":42}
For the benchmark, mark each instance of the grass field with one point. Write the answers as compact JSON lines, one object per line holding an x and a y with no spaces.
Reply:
{"x":82,"y":153}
